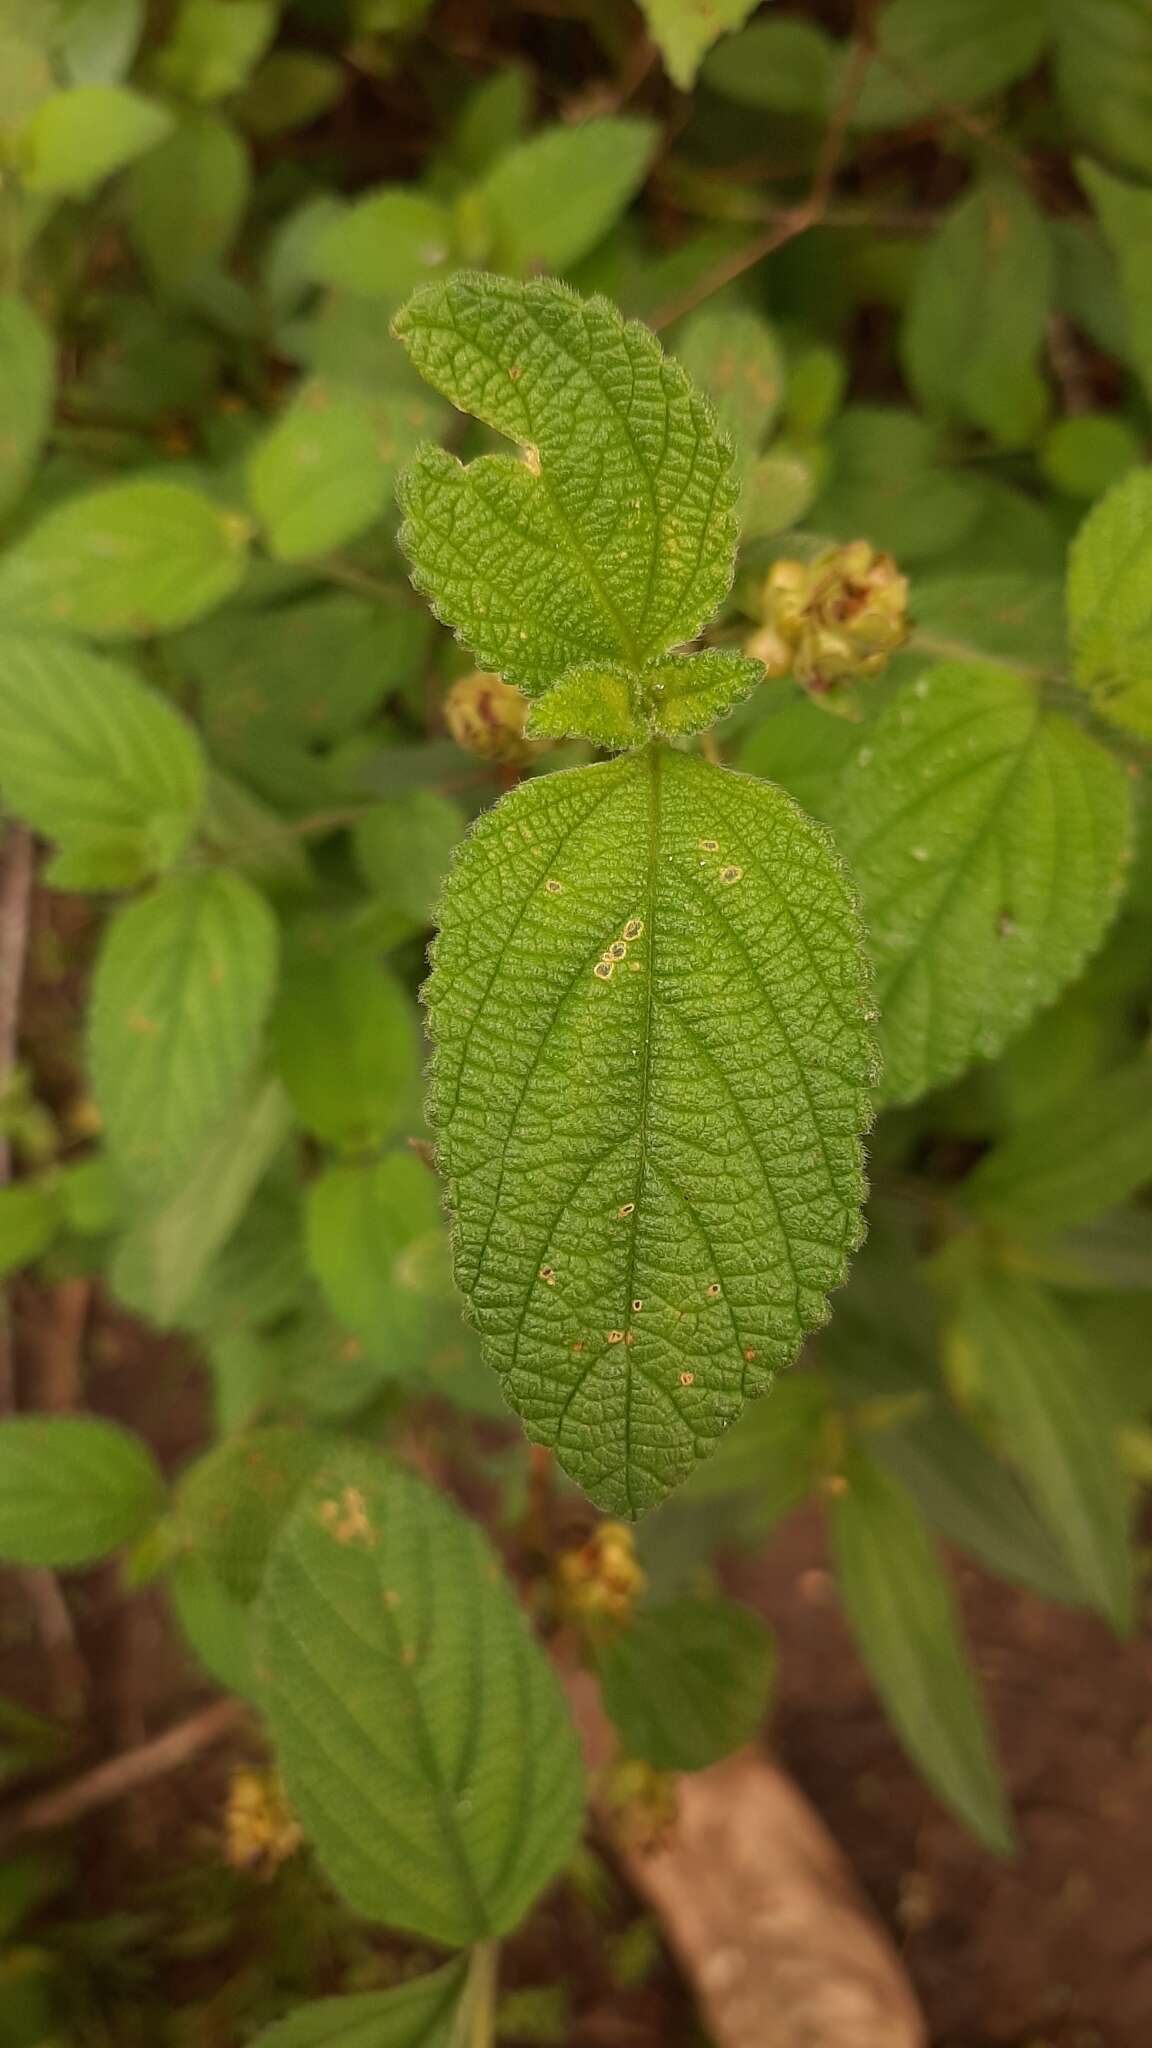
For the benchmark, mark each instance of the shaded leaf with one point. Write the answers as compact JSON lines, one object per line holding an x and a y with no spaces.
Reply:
{"x":687,"y":1683}
{"x":900,"y":1607}
{"x":684,"y":31}
{"x":344,"y":1044}
{"x":1071,"y":1164}
{"x":27,"y":374}
{"x":1110,"y":604}
{"x":185,"y":201}
{"x":181,"y":989}
{"x":420,"y":1730}
{"x":549,"y":200}
{"x":72,"y":1489}
{"x":419,"y":2014}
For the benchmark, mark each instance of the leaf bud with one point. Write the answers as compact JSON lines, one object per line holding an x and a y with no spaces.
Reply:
{"x":834,"y":620}
{"x":486,"y":715}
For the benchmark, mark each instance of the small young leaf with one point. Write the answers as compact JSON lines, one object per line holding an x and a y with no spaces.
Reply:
{"x":179,"y":998}
{"x":27,"y":370}
{"x":345,"y":1046}
{"x":975,"y":322}
{"x":291,"y":89}
{"x":72,"y":1489}
{"x":94,"y":759}
{"x":376,"y":1245}
{"x":619,"y":707}
{"x":76,"y":139}
{"x":1066,"y":1169}
{"x":1110,"y":604}
{"x":419,"y":2014}
{"x":123,"y":562}
{"x":186,"y":200}
{"x":1042,"y":1384}
{"x":989,"y":838}
{"x":1125,"y":214}
{"x":614,"y":538}
{"x":1085,"y":454}
{"x":551,"y":199}
{"x":421,"y":1731}
{"x":684,"y":31}
{"x":385,"y":244}
{"x":651,"y":1077}
{"x":900,"y":1607}
{"x":687,"y":1683}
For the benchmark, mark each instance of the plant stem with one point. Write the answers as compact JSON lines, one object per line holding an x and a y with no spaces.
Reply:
{"x":478,"y":2010}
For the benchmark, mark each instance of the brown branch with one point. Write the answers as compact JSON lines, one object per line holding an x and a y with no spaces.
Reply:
{"x":807,"y":214}
{"x":126,"y":1773}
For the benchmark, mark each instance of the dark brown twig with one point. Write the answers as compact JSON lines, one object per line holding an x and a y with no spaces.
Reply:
{"x":126,"y":1773}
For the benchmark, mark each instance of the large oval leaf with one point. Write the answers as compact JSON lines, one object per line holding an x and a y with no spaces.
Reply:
{"x":652,"y":1074}
{"x":989,"y":838}
{"x":421,"y":1731}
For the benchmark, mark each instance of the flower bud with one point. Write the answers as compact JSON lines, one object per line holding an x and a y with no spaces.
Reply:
{"x":832,"y":621}
{"x":486,"y":715}
{"x":603,"y":1579}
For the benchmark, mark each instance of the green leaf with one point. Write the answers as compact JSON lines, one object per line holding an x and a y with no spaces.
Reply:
{"x":420,"y":1730}
{"x":419,"y":2014}
{"x":975,"y":1501}
{"x":344,"y":1044}
{"x":615,"y":706}
{"x":186,"y":200}
{"x":684,"y":31}
{"x":326,"y":470}
{"x":72,"y":1489}
{"x":495,"y":115}
{"x":403,"y":849}
{"x":651,"y":1075}
{"x":291,"y":89}
{"x":975,"y":323}
{"x":774,"y":1449}
{"x":213,"y":47}
{"x":232,"y":1502}
{"x":94,"y":759}
{"x":1010,"y":615}
{"x":785,"y":67}
{"x":27,"y":376}
{"x":549,"y":200}
{"x":934,"y":53}
{"x":376,"y":1245}
{"x":161,"y":1261}
{"x":887,"y":485}
{"x":735,"y":357}
{"x":215,"y":1624}
{"x":123,"y":562}
{"x":1039,"y":1380}
{"x":1110,"y":604}
{"x":1065,"y":1169}
{"x":902,"y":1615}
{"x":181,"y":989}
{"x":96,"y":39}
{"x":1085,"y":454}
{"x":29,"y":1220}
{"x":614,"y":538}
{"x":989,"y":838}
{"x":76,"y":139}
{"x":687,"y":1683}
{"x":389,"y":241}
{"x":1104,"y":75}
{"x":1125,"y":215}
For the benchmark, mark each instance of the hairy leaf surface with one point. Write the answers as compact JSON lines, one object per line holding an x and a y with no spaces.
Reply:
{"x":612,"y":538}
{"x":421,"y":1731}
{"x":989,"y":838}
{"x":653,"y":1064}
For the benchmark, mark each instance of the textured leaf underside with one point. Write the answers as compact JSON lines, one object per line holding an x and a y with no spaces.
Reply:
{"x":653,"y":1065}
{"x":611,"y":538}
